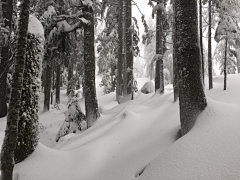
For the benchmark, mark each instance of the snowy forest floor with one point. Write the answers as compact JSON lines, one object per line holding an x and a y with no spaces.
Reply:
{"x":136,"y":140}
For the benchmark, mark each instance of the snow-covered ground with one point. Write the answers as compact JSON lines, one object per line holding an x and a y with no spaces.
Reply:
{"x":136,"y":140}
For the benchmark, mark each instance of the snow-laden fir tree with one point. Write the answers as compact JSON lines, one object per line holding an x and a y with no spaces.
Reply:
{"x":28,"y":132}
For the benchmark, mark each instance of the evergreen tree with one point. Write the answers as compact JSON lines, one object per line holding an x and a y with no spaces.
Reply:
{"x":189,"y":64}
{"x":10,"y":139}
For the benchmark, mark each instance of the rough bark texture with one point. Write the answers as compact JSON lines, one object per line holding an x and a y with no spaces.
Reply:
{"x":47,"y":88}
{"x":10,"y":139}
{"x":124,"y":50}
{"x":28,"y":134}
{"x":120,"y":51}
{"x":175,"y":68}
{"x":210,"y":45}
{"x":70,"y":76}
{"x":129,"y":54}
{"x":192,"y":98}
{"x":225,"y":66}
{"x":58,"y":75}
{"x":7,"y":10}
{"x":159,"y":77}
{"x":91,"y":104}
{"x":201,"y":37}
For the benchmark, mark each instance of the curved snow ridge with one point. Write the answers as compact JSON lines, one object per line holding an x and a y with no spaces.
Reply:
{"x":209,"y":151}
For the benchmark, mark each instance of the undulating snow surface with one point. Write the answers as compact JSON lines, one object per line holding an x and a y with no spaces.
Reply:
{"x":136,"y":141}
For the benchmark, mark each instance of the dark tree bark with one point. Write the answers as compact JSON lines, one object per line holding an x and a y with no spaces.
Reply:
{"x":175,"y":68}
{"x":47,"y":88}
{"x":120,"y":51}
{"x":159,"y":77}
{"x":91,"y":104}
{"x":210,"y":45}
{"x":129,"y":54}
{"x":70,"y":76}
{"x":28,"y":134}
{"x":192,"y":98}
{"x":225,"y":66}
{"x":58,"y":76}
{"x":201,"y":37}
{"x":124,"y":89}
{"x":53,"y":84}
{"x":7,"y":7}
{"x":10,"y":139}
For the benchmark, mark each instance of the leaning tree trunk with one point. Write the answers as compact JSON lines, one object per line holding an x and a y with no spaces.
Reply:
{"x":28,"y":134}
{"x":120,"y":51}
{"x":175,"y":68}
{"x":7,"y":11}
{"x":91,"y":104}
{"x":210,"y":45}
{"x":11,"y":132}
{"x":159,"y":78}
{"x":225,"y":66}
{"x":201,"y":37}
{"x":192,"y":98}
{"x":129,"y":54}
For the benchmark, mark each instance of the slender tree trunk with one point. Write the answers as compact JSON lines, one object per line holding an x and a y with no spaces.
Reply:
{"x":129,"y":54}
{"x":10,"y":139}
{"x":53,"y":84}
{"x":192,"y":98}
{"x":120,"y":51}
{"x":70,"y":76}
{"x":58,"y":75}
{"x":91,"y":104}
{"x":124,"y":89}
{"x":210,"y":45}
{"x":201,"y":37}
{"x":175,"y":68}
{"x":47,"y":89}
{"x":225,"y":66}
{"x":7,"y":11}
{"x":159,"y":77}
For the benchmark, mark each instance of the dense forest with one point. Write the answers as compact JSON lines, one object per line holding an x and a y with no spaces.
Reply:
{"x":81,"y":77}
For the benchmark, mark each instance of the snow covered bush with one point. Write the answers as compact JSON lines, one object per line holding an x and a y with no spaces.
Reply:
{"x":74,"y":118}
{"x":28,"y":133}
{"x":148,"y":87}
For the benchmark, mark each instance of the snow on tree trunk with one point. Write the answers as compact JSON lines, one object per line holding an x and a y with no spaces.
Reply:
{"x":27,"y":139}
{"x":10,"y":139}
{"x":70,"y":76}
{"x":192,"y":98}
{"x":210,"y":45}
{"x":7,"y":11}
{"x":119,"y":87}
{"x":129,"y":53}
{"x":74,"y":120}
{"x":91,"y":104}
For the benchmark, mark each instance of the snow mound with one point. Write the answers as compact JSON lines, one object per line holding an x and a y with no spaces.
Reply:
{"x":35,"y":26}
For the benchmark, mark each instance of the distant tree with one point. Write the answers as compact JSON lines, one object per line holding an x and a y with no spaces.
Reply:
{"x":10,"y":139}
{"x":210,"y":76}
{"x":192,"y":98}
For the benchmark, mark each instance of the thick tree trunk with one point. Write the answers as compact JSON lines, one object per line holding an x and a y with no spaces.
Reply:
{"x":159,"y":77}
{"x":129,"y":54}
{"x":210,"y":45}
{"x":47,"y":88}
{"x":175,"y":68}
{"x":225,"y":66}
{"x":201,"y":37}
{"x":192,"y":98}
{"x":28,"y":134}
{"x":58,"y":75}
{"x":10,"y":139}
{"x":91,"y":104}
{"x":7,"y":11}
{"x":120,"y":51}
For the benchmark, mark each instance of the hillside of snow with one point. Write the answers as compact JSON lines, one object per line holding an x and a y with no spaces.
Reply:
{"x":136,"y":140}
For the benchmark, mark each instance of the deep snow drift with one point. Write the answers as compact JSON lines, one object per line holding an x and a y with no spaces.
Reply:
{"x":136,"y":140}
